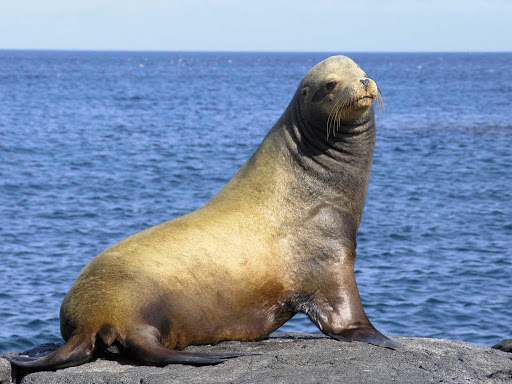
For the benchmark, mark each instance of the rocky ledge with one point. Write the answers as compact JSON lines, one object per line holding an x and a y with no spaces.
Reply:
{"x":304,"y":358}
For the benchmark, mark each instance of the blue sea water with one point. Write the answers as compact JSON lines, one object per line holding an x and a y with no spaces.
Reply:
{"x":96,"y":146}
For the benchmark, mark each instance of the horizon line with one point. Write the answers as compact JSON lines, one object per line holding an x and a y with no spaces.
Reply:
{"x":243,"y":51}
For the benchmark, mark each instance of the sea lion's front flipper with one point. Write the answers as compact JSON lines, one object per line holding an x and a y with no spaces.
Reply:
{"x":337,"y":310}
{"x":146,"y":348}
{"x":367,"y":334}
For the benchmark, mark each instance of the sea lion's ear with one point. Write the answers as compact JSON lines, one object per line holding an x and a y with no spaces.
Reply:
{"x":305,"y":91}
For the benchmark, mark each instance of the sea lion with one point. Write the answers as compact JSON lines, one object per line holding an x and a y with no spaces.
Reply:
{"x":278,"y":239}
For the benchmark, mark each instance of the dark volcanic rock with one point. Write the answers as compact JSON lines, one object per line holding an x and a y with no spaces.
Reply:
{"x":302,"y":358}
{"x":504,"y":345}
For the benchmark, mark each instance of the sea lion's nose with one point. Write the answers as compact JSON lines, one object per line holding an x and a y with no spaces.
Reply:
{"x":365,"y":83}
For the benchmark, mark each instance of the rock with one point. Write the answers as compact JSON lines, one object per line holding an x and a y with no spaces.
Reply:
{"x":5,"y":371}
{"x":305,"y":358}
{"x":504,"y":345}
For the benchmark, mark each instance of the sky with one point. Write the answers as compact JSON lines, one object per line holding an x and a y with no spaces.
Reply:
{"x":257,"y":25}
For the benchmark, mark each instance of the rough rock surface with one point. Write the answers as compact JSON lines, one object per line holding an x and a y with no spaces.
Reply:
{"x":304,"y":358}
{"x":504,"y":345}
{"x":5,"y":371}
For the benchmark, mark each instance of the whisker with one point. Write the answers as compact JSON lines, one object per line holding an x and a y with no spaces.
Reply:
{"x":329,"y":122}
{"x":335,"y":125}
{"x":338,"y":118}
{"x":380,"y":102}
{"x":341,"y":113}
{"x":331,"y":118}
{"x":338,"y":107}
{"x":337,"y":122}
{"x":335,"y":119}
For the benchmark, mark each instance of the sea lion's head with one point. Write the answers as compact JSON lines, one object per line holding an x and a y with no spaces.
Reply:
{"x":336,"y":94}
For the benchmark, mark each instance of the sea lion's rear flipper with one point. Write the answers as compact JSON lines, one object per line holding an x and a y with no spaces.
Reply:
{"x":147,"y":349}
{"x":78,"y":350}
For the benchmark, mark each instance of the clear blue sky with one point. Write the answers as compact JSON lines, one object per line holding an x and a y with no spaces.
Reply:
{"x":258,"y":25}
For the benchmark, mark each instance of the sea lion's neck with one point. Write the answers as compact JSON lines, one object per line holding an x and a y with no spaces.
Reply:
{"x":352,"y":144}
{"x":331,"y":172}
{"x":322,"y":181}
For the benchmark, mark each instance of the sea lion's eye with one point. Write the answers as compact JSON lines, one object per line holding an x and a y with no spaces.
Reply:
{"x":330,"y":85}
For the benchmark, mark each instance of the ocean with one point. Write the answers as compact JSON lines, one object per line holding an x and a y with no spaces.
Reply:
{"x":96,"y":146}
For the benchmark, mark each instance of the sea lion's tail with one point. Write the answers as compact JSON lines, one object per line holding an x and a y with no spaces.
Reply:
{"x":78,"y":350}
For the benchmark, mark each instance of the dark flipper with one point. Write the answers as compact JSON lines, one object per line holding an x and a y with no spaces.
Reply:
{"x":338,"y":312}
{"x":77,"y":351}
{"x":370,"y":335}
{"x":146,"y":349}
